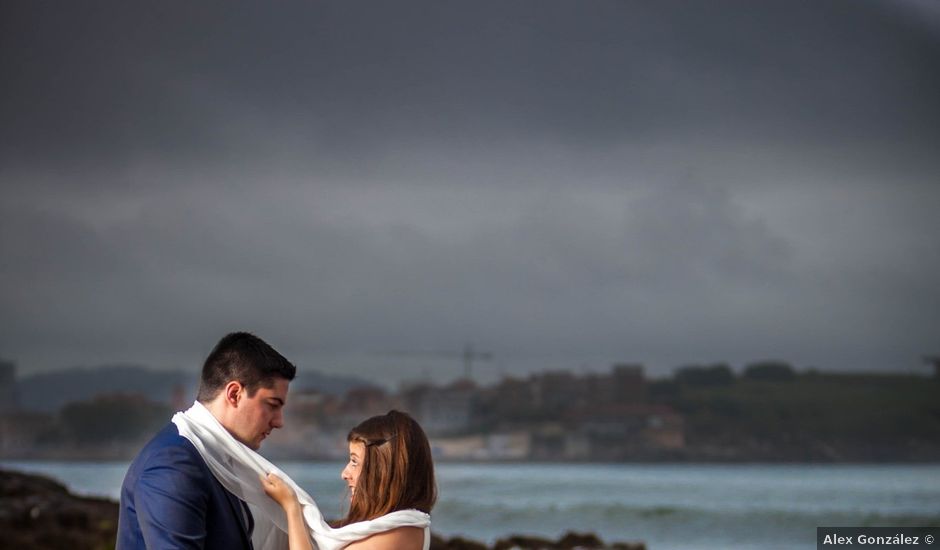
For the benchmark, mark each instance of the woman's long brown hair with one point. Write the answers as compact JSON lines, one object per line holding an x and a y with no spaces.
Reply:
{"x":397,"y":470}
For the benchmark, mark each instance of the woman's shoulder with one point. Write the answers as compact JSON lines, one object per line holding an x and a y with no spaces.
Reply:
{"x":403,"y":538}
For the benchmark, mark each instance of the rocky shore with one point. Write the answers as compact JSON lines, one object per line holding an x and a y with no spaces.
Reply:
{"x":570,"y":541}
{"x":41,"y":514}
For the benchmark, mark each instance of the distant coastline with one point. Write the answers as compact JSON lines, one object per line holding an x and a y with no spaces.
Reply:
{"x":769,"y":413}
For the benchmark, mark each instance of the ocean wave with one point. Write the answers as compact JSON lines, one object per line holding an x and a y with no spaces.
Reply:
{"x":594,"y":512}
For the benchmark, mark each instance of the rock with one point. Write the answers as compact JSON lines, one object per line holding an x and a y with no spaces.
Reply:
{"x":40,"y":514}
{"x":456,"y":543}
{"x":579,"y":540}
{"x":523,"y":542}
{"x":570,"y":541}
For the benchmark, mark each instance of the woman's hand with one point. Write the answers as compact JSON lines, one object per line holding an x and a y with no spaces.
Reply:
{"x":281,"y":492}
{"x":297,"y":534}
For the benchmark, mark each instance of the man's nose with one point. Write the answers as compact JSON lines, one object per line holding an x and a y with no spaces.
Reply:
{"x":278,"y":420}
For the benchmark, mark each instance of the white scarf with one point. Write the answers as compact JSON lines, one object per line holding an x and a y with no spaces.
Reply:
{"x":238,"y":469}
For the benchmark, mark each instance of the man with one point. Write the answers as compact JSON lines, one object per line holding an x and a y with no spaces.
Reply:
{"x":169,"y":498}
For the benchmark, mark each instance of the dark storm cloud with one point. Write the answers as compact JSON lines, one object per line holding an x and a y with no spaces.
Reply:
{"x":654,"y":181}
{"x":103,"y":80}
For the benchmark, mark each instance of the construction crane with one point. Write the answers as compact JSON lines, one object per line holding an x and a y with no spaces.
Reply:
{"x":467,"y":355}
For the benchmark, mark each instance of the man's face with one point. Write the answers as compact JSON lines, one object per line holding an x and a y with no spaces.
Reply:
{"x":257,"y":416}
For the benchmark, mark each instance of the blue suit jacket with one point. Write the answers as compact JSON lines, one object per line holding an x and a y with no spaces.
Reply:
{"x":170,"y":499}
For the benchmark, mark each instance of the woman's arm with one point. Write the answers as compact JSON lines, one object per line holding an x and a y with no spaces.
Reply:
{"x":297,"y":534}
{"x":402,"y":538}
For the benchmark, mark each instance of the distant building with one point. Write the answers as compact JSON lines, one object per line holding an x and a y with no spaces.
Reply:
{"x":558,"y":390}
{"x":498,"y":446}
{"x":9,"y":401}
{"x":315,"y":427}
{"x":628,"y":383}
{"x":625,"y":431}
{"x":468,"y":447}
{"x":665,"y":429}
{"x":365,"y":402}
{"x":444,"y":411}
{"x":509,"y":446}
{"x":555,"y":441}
{"x":511,"y":400}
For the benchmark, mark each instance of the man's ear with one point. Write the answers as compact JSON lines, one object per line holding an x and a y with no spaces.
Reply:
{"x":233,"y":392}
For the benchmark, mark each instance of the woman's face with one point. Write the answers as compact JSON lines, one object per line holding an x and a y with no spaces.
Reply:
{"x":357,"y":453}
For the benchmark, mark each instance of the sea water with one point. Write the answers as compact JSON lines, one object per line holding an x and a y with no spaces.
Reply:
{"x":668,"y":506}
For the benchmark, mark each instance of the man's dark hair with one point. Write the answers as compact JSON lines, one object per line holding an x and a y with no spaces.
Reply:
{"x":244,"y":357}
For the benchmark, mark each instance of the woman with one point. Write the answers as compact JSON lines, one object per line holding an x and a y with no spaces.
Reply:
{"x":389,"y":469}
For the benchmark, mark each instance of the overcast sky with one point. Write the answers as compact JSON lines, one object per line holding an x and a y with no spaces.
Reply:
{"x":564,"y":184}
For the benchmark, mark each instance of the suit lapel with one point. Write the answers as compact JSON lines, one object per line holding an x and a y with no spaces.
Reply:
{"x":241,"y":512}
